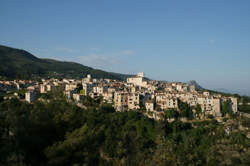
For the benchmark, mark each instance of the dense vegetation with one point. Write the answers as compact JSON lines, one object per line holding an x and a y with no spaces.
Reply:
{"x":15,"y":63}
{"x":244,"y":107}
{"x":57,"y":132}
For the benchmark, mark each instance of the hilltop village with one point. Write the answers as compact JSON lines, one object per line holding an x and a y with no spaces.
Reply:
{"x":137,"y":93}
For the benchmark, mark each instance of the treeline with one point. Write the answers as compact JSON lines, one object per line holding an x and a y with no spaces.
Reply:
{"x":244,"y":107}
{"x":57,"y":132}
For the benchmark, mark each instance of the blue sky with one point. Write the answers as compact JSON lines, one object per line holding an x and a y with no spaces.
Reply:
{"x":179,"y":40}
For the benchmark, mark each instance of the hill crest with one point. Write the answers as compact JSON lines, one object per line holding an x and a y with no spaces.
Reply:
{"x":20,"y":64}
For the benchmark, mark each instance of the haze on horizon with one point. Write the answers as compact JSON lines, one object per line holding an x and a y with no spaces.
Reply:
{"x":207,"y":41}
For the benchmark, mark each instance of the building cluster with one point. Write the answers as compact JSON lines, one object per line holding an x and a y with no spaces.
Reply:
{"x":137,"y":93}
{"x":154,"y":97}
{"x":14,"y":85}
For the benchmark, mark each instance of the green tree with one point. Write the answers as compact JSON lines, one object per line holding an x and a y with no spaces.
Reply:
{"x":79,"y":88}
{"x":198,"y":111}
{"x":226,"y":108}
{"x":171,"y":113}
{"x":185,"y":110}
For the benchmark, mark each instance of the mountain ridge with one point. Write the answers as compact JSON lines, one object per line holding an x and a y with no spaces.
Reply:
{"x":193,"y":82}
{"x":20,"y":64}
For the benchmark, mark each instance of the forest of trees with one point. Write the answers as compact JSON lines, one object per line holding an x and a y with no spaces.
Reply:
{"x":57,"y":133}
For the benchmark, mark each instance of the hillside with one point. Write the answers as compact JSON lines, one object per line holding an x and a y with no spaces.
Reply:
{"x":17,"y":63}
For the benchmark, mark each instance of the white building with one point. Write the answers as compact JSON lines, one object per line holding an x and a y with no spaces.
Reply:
{"x":87,"y":79}
{"x":149,"y":106}
{"x":234,"y":104}
{"x":86,"y":88}
{"x":168,"y":103}
{"x":120,"y":101}
{"x":71,"y":86}
{"x":77,"y":97}
{"x":138,"y":80}
{"x":43,"y":88}
{"x":30,"y":96}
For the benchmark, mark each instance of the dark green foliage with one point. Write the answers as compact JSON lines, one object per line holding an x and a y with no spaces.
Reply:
{"x":226,"y":108}
{"x":221,"y":93}
{"x":15,"y":63}
{"x":244,"y":107}
{"x":198,"y":111}
{"x":88,"y":101}
{"x":171,"y":113}
{"x":104,"y":137}
{"x":245,"y":99}
{"x":34,"y":127}
{"x":79,"y":88}
{"x":57,"y":132}
{"x":185,"y":110}
{"x":60,"y":133}
{"x":1,"y":97}
{"x":245,"y":122}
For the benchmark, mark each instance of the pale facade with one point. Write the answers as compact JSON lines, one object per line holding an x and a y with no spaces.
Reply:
{"x":120,"y":101}
{"x":69,"y":87}
{"x":86,"y":88}
{"x":108,"y":96}
{"x":217,"y":107}
{"x":88,"y":79}
{"x":149,"y":105}
{"x":210,"y":106}
{"x":139,"y":80}
{"x":30,"y":96}
{"x":133,"y":101}
{"x":77,"y":97}
{"x":167,"y":103}
{"x":99,"y":90}
{"x":43,"y":88}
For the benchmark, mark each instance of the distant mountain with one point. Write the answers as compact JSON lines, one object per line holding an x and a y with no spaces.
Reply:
{"x":240,"y":92}
{"x":20,"y":64}
{"x":197,"y":86}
